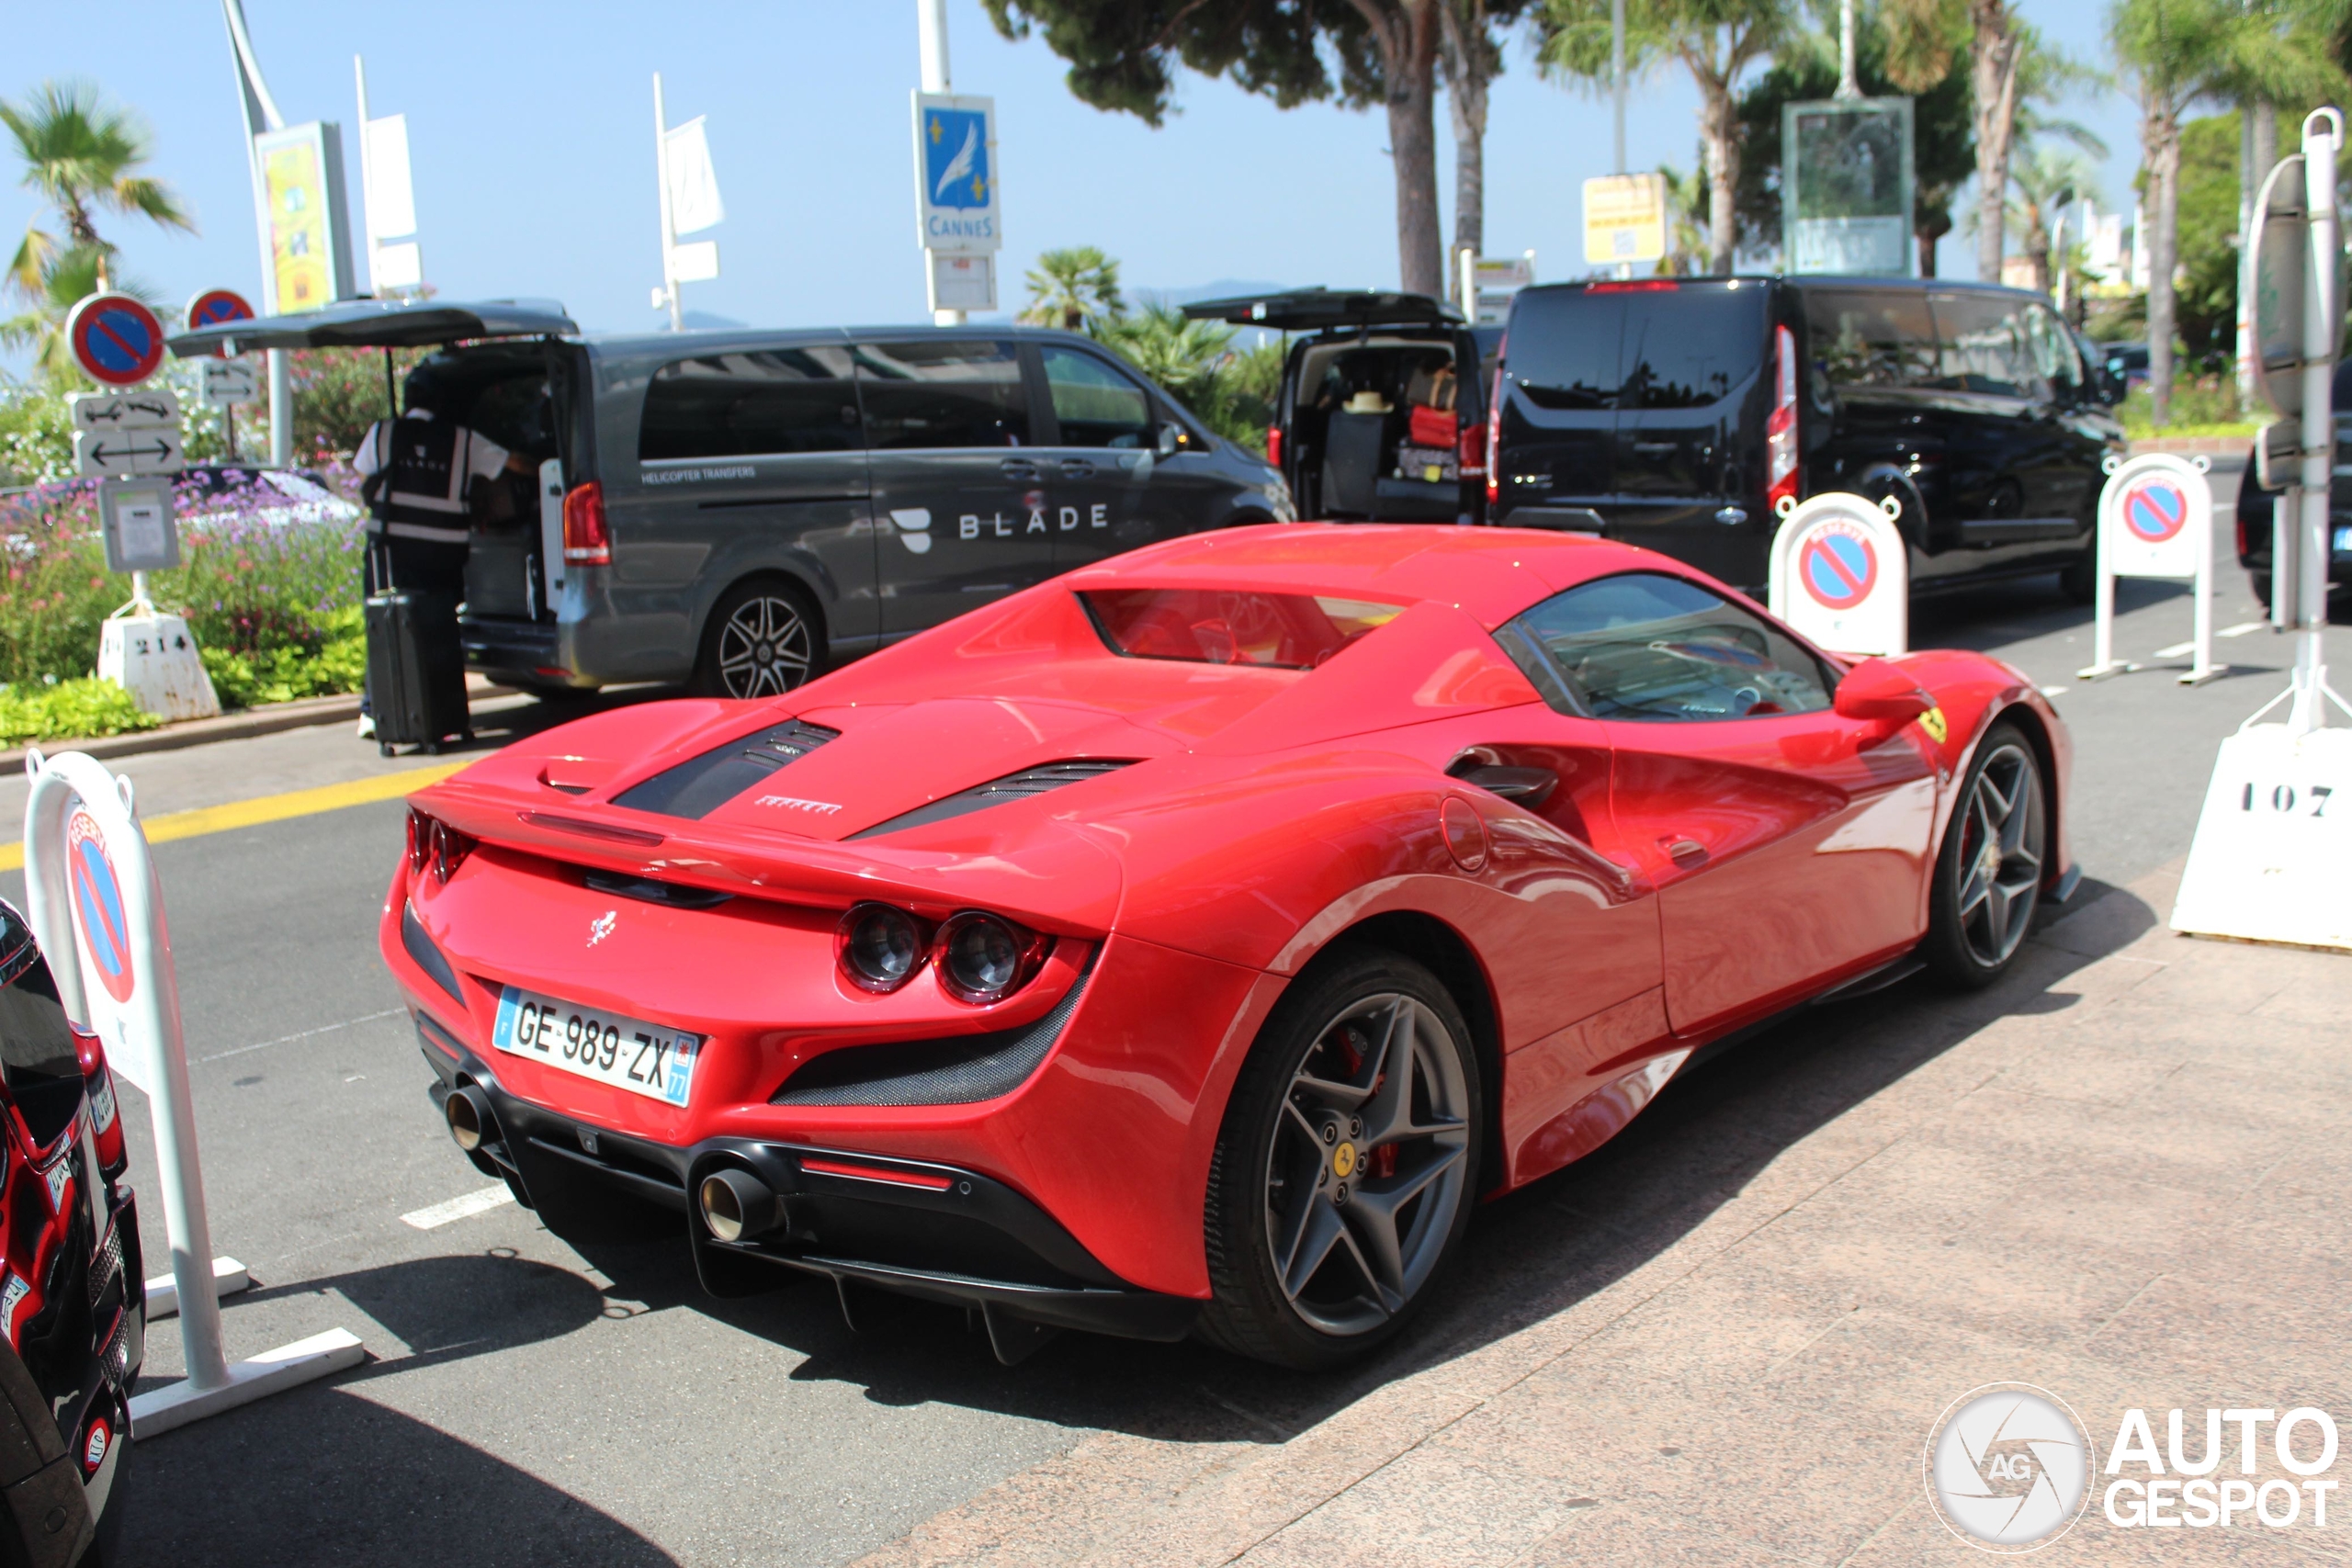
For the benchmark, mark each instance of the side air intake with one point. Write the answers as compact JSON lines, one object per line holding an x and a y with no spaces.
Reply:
{"x":700,"y":786}
{"x":996,"y":792}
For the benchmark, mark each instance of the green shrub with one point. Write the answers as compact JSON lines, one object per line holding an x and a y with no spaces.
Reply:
{"x":69,"y":709}
{"x":331,"y":660}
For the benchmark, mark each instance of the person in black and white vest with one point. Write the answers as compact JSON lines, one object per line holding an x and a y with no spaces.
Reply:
{"x":417,"y":475}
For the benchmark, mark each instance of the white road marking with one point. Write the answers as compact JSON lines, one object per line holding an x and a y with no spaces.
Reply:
{"x":480,"y":1201}
{"x":289,"y":1039}
{"x":2243,"y":627}
{"x":2175,"y":651}
{"x":2054,"y":691}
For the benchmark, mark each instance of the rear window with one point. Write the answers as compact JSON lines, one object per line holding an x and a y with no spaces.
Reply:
{"x":1686,"y":348}
{"x":742,"y":405}
{"x":1212,"y":626}
{"x":1561,"y":352}
{"x":1646,"y":347}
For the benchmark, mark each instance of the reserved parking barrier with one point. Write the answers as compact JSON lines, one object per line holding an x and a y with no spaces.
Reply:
{"x":97,"y":910}
{"x":2155,"y":519}
{"x":1841,"y":573}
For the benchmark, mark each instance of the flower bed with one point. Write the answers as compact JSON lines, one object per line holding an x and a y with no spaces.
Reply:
{"x":269,"y":585}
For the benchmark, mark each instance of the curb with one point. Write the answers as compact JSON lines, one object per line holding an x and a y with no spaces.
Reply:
{"x":297,"y":714}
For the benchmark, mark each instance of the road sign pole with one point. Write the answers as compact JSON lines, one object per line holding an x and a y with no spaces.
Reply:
{"x":2323,"y":133}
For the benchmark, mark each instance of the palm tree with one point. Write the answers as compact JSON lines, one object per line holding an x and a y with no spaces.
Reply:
{"x":1686,"y":242}
{"x":81,"y":153}
{"x":2177,"y":52}
{"x":2045,"y":180}
{"x":1716,"y":41}
{"x":1074,"y":289}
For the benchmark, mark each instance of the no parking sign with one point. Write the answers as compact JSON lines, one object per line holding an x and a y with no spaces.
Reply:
{"x":2155,"y":519}
{"x":115,"y":339}
{"x":1841,"y":575}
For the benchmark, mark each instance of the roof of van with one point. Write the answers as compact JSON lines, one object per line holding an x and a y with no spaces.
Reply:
{"x":1806,"y":280}
{"x":720,"y":339}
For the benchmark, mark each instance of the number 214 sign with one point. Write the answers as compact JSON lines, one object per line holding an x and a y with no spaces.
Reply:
{"x":2273,"y":853}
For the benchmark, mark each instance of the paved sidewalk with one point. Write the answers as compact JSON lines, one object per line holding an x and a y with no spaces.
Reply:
{"x":2120,"y":1175}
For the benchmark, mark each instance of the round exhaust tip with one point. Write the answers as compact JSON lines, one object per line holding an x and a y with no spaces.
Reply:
{"x":736,"y":1204}
{"x":469,"y":1116}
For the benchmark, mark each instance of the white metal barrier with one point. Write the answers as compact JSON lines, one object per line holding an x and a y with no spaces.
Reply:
{"x":2155,"y":519}
{"x":97,"y":907}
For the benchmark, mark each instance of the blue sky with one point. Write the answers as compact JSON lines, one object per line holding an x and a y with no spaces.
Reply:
{"x":530,"y":130}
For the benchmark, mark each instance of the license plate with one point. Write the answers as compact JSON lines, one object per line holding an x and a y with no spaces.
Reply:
{"x":627,"y":1053}
{"x":2344,"y":541}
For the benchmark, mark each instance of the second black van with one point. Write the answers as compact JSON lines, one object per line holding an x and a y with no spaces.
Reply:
{"x":1686,"y":414}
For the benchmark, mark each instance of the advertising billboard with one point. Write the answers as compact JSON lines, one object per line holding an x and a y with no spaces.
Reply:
{"x":310,"y":229}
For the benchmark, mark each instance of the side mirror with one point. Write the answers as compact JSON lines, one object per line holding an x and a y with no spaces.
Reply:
{"x":1168,"y":438}
{"x":1875,"y":689}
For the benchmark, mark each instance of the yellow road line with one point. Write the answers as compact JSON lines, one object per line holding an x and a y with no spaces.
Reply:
{"x":270,"y":807}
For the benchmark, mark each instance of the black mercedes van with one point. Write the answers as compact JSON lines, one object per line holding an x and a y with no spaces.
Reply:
{"x":1686,"y":414}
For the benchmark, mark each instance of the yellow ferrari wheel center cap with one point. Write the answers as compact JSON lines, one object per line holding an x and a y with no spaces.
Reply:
{"x":1343,"y":1160}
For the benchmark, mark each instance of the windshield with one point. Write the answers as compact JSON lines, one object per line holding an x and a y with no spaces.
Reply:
{"x":1218,"y":626}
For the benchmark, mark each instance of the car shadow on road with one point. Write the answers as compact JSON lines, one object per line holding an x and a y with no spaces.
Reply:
{"x":376,"y":1488}
{"x":1530,"y":1256}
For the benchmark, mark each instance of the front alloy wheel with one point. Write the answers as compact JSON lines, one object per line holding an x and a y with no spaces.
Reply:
{"x":1988,"y":878}
{"x":1352,"y":1143}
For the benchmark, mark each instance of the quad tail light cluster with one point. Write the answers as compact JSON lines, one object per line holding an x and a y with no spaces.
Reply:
{"x":435,"y":846}
{"x":981,"y":958}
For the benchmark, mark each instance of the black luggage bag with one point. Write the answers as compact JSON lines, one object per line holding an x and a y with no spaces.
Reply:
{"x":416,"y":670}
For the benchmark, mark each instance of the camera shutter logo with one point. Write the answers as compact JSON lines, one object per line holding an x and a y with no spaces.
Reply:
{"x":2007,"y":1467}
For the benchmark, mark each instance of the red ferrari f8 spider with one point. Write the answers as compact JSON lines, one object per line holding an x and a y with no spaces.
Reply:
{"x":1185,"y":943}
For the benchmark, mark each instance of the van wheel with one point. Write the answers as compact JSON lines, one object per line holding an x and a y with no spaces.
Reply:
{"x":1345,"y":1172}
{"x":2260,"y":582}
{"x":763,"y":638}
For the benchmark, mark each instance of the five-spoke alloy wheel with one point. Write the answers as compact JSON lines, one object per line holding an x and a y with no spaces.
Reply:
{"x":1346,"y":1164}
{"x":762,"y":642}
{"x":1989,"y":875}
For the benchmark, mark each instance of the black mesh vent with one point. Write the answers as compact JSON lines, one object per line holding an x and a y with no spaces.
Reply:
{"x":964,"y":1070}
{"x":996,"y":792}
{"x":700,"y":786}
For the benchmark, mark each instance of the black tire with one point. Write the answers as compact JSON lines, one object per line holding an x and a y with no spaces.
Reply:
{"x":1989,"y":872}
{"x":763,"y":638}
{"x":2260,"y":582}
{"x":1386,"y":1238}
{"x":2078,"y":578}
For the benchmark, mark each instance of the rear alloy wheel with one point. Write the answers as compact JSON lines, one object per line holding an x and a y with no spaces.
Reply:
{"x":1343,"y":1174}
{"x":762,"y":642}
{"x":1989,"y":875}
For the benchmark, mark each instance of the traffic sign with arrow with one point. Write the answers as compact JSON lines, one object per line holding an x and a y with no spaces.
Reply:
{"x":141,"y":410}
{"x":151,"y":450}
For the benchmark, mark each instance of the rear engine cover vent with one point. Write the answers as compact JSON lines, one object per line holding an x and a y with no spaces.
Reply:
{"x":696,"y":788}
{"x":996,"y":792}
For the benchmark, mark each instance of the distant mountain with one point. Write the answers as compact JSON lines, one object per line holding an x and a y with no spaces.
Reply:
{"x":699,"y":321}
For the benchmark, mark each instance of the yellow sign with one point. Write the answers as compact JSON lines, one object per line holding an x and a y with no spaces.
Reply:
{"x":1624,"y":218}
{"x":302,"y":182}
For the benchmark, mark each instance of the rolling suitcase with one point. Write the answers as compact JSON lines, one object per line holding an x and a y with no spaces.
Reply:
{"x":416,"y":671}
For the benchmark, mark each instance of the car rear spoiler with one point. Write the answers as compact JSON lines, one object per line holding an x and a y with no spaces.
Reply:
{"x":1322,"y":310}
{"x":381,"y":323}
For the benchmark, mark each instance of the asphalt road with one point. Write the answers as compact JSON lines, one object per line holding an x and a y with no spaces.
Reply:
{"x":525,"y":1403}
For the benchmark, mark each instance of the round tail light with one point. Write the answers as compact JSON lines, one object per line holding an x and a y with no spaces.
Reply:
{"x":878,"y":947}
{"x":984,"y":958}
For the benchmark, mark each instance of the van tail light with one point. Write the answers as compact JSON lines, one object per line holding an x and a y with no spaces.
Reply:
{"x":97,"y":1089}
{"x":1495,"y":441}
{"x":1274,"y":446}
{"x":1471,"y":450}
{"x":586,"y":541}
{"x":1780,"y":430}
{"x":2241,"y":522}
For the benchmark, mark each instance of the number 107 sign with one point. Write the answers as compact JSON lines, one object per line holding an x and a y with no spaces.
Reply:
{"x":2273,"y":852}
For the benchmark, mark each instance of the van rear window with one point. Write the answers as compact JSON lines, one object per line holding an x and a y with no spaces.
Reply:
{"x":1216,"y":625}
{"x":1562,"y":351}
{"x":1635,"y":348}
